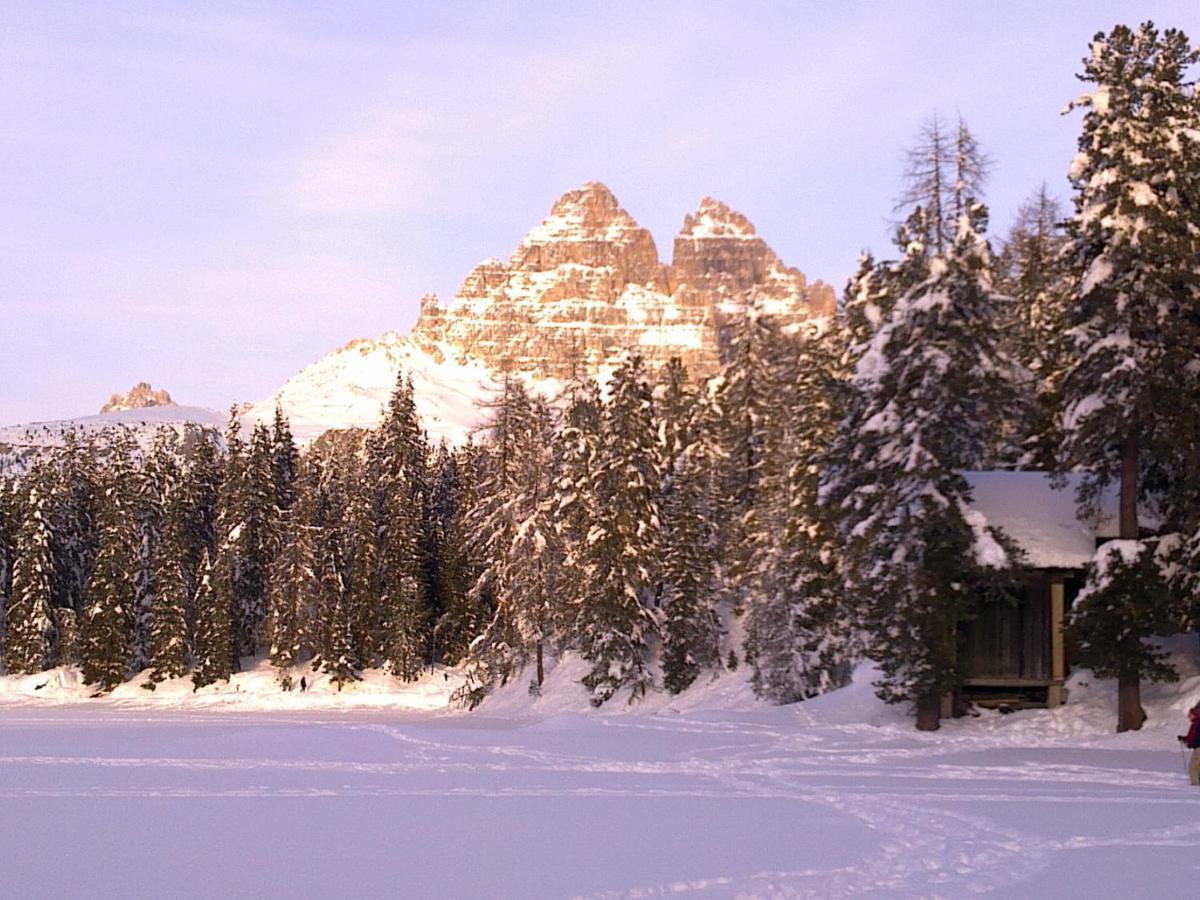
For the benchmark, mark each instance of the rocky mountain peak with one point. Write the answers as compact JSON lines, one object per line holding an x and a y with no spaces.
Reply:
{"x":588,"y":228}
{"x":715,"y":219}
{"x":140,"y":396}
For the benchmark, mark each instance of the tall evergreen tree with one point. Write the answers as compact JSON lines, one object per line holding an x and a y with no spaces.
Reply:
{"x":337,"y":650}
{"x":935,"y":391}
{"x":1033,"y":270}
{"x":1132,"y":397}
{"x":799,"y":629}
{"x":167,"y":625}
{"x":294,"y":590}
{"x":29,"y":619}
{"x":212,"y":653}
{"x":106,"y":633}
{"x":462,"y":617}
{"x":72,"y":516}
{"x":688,"y":593}
{"x":615,"y":620}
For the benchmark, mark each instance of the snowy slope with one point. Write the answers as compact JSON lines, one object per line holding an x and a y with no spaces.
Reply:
{"x":21,"y":444}
{"x":349,"y":387}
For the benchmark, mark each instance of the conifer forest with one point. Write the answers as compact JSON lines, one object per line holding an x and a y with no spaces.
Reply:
{"x":801,"y":511}
{"x":830,"y":529}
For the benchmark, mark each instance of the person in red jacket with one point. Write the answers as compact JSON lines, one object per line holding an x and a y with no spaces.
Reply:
{"x":1192,"y":740}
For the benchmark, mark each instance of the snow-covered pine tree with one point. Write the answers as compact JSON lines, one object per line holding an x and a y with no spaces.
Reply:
{"x":615,"y":620}
{"x":936,"y":390}
{"x":106,"y":633}
{"x":578,"y":441}
{"x":29,"y":618}
{"x":400,"y":457}
{"x":167,"y":624}
{"x":363,"y":589}
{"x":492,"y":521}
{"x":212,"y":651}
{"x":529,"y":573}
{"x":150,"y":487}
{"x":1033,"y":271}
{"x":742,"y":421}
{"x":294,"y":588}
{"x":690,"y":627}
{"x":461,"y":618}
{"x":285,"y":461}
{"x":1132,"y":396}
{"x":337,"y":650}
{"x":258,"y":541}
{"x":73,"y":519}
{"x":9,"y":524}
{"x":200,"y":484}
{"x":799,"y":627}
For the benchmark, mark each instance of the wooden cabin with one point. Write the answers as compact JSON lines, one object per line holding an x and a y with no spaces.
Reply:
{"x":1014,"y":654}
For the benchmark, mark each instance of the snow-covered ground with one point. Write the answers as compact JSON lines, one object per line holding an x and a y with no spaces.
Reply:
{"x":248,"y":791}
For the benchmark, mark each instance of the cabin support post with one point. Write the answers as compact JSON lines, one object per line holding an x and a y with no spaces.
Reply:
{"x":1058,"y":667}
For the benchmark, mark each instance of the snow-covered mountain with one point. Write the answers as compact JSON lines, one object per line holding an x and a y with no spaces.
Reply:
{"x":20,"y":445}
{"x":348,"y":387}
{"x":581,"y":288}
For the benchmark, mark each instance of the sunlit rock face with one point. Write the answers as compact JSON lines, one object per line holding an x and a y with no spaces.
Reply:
{"x":580,"y":289}
{"x":587,"y":284}
{"x":140,"y":396}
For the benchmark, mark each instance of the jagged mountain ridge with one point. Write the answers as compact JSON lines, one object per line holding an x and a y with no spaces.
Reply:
{"x":140,"y":396}
{"x":581,"y":288}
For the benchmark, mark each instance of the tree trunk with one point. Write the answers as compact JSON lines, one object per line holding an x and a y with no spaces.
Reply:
{"x":1128,"y":521}
{"x":541,"y":671}
{"x":1130,"y":715}
{"x":929,"y":712}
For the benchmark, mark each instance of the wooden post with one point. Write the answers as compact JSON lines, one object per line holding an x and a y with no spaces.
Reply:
{"x":1058,"y":666}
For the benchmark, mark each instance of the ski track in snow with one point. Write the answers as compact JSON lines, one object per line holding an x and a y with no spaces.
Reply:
{"x":935,"y":823}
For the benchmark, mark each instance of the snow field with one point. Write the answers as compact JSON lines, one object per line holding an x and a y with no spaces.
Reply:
{"x":254,"y":792}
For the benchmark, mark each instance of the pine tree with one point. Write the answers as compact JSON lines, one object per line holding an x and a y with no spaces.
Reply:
{"x":492,"y":522}
{"x":945,"y":166}
{"x":936,"y":390}
{"x":294,"y":590}
{"x":688,"y":596}
{"x":106,"y":633}
{"x":285,"y":461}
{"x":9,"y":525}
{"x":402,"y":516}
{"x":690,"y":630}
{"x":363,"y":590}
{"x":212,"y":653}
{"x":337,"y":651}
{"x":150,"y":487}
{"x":1033,"y":270}
{"x":614,"y":619}
{"x":167,"y":625}
{"x":1132,"y":396}
{"x":462,"y":616}
{"x":799,"y":632}
{"x":29,"y":619}
{"x":72,"y":516}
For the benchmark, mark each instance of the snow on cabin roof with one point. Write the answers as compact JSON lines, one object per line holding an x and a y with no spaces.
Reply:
{"x":1041,"y":518}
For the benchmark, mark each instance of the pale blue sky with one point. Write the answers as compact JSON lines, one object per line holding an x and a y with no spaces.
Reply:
{"x":210,"y":197}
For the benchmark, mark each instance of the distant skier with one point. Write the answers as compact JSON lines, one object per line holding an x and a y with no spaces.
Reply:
{"x":1192,"y":741}
{"x":303,"y":684}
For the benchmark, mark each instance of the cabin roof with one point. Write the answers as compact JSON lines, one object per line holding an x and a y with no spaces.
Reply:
{"x":1041,"y":517}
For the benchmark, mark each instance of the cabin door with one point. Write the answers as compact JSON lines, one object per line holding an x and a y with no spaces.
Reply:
{"x":1010,"y":641}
